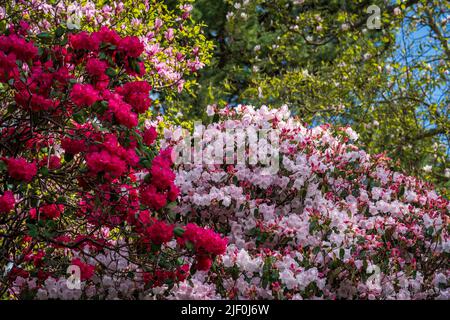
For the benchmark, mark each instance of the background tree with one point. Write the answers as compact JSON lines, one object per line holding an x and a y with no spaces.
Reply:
{"x":326,"y":62}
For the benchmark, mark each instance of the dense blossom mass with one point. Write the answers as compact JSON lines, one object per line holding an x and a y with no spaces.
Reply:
{"x":95,"y":204}
{"x":168,"y":41}
{"x":334,"y":222}
{"x":84,"y":187}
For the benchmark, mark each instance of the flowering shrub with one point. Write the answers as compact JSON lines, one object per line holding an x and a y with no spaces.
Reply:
{"x":92,"y":208}
{"x":333,"y":222}
{"x":174,"y":46}
{"x":84,"y":189}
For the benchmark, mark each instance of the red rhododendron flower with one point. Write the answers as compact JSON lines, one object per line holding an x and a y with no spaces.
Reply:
{"x":8,"y":66}
{"x":173,"y":193}
{"x":19,"y":46}
{"x":150,"y":135}
{"x":160,"y":232}
{"x":131,"y":46}
{"x":205,"y":241}
{"x":182,"y":272}
{"x":48,"y":211}
{"x":203,"y":263}
{"x":72,"y":146}
{"x":83,"y":41}
{"x":84,"y":95}
{"x":7,"y":202}
{"x":166,"y":156}
{"x":20,"y":169}
{"x":106,"y":35}
{"x":104,"y":161}
{"x":86,"y":270}
{"x":35,"y":102}
{"x":96,"y":67}
{"x":18,"y":272}
{"x":136,"y":94}
{"x":152,"y":198}
{"x":122,"y":112}
{"x":161,"y":160}
{"x":162,"y":176}
{"x":53,"y":164}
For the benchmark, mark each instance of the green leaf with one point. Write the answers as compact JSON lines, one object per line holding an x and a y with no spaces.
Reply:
{"x":156,"y":247}
{"x":45,"y":36}
{"x":178,"y":231}
{"x":189,"y":245}
{"x":44,"y":171}
{"x":79,"y":117}
{"x":172,"y":205}
{"x":110,"y":72}
{"x":316,"y":250}
{"x":59,"y":31}
{"x":147,"y":178}
{"x":3,"y":166}
{"x":68,"y":157}
{"x":145,"y":163}
{"x":32,"y":230}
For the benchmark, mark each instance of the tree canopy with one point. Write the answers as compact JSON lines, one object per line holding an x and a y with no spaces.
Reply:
{"x":330,"y":62}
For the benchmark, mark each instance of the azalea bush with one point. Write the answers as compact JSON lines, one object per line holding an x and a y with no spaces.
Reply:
{"x":85,"y":191}
{"x":331,"y":63}
{"x":333,"y":222}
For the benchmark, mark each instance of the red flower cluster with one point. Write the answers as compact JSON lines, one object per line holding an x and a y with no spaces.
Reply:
{"x":73,"y":146}
{"x":136,"y":94}
{"x":96,"y":68}
{"x":8,"y":66}
{"x":53,"y":163}
{"x":152,"y":198}
{"x":20,"y":169}
{"x":18,"y":46}
{"x":149,"y":136}
{"x":76,"y":119}
{"x":205,"y":241}
{"x":122,"y":49}
{"x":83,"y":41}
{"x":160,"y":232}
{"x":84,"y":95}
{"x":86,"y":270}
{"x":110,"y":158}
{"x":32,"y":93}
{"x":48,"y":211}
{"x":104,"y":161}
{"x":120,"y":111}
{"x":7,"y":202}
{"x":132,"y":96}
{"x":131,"y":46}
{"x":204,"y":263}
{"x":160,"y":277}
{"x":162,"y":186}
{"x":162,"y":176}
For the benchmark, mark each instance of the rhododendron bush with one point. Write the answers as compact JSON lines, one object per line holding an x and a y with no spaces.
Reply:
{"x":85,"y":193}
{"x":333,"y":222}
{"x":174,"y":47}
{"x":102,"y":199}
